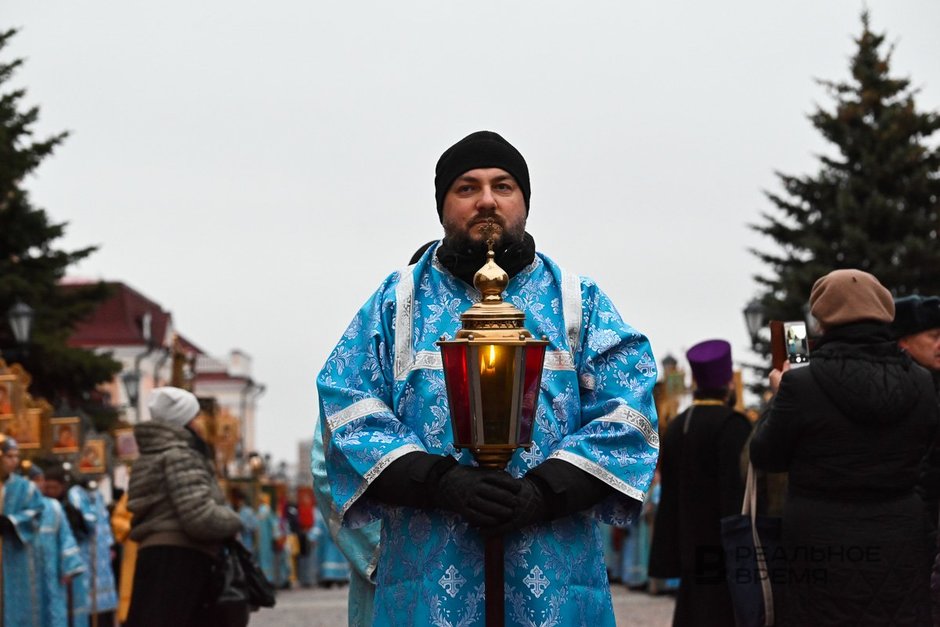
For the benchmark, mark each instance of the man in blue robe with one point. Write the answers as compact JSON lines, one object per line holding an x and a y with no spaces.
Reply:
{"x":387,"y":439}
{"x":359,"y":545}
{"x":249,"y":520}
{"x":19,"y":526}
{"x":268,"y":535}
{"x":332,"y":565}
{"x":94,"y":593}
{"x":58,"y":557}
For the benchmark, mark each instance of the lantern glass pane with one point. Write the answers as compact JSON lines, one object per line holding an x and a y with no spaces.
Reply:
{"x":496,"y":365}
{"x":534,"y":359}
{"x":454,"y":357}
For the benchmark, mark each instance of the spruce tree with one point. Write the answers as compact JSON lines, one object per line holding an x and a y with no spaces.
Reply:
{"x":31,"y":266}
{"x":874,"y":204}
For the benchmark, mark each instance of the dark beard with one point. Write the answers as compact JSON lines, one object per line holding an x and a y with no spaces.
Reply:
{"x":464,"y":256}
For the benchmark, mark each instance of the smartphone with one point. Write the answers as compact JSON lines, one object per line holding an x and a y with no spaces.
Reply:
{"x":796,"y":343}
{"x":788,"y":344}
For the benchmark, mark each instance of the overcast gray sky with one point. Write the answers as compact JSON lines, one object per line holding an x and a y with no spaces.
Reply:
{"x":259,"y":167}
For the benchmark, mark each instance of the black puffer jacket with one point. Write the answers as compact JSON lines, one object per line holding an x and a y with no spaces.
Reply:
{"x":851,"y":430}
{"x":854,"y":424}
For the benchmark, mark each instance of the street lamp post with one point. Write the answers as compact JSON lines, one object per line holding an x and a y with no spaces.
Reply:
{"x":20,"y":318}
{"x":754,"y":319}
{"x":131,"y":380}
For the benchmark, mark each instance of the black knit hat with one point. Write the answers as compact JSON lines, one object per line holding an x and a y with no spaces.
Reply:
{"x":914,"y":314}
{"x":483,"y":149}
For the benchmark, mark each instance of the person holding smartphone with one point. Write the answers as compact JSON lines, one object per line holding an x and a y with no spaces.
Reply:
{"x":851,"y":429}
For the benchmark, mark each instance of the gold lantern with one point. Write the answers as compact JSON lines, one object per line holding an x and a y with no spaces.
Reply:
{"x":493,"y":370}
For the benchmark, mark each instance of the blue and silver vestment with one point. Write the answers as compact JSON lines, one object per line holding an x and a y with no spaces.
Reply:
{"x":382,"y":395}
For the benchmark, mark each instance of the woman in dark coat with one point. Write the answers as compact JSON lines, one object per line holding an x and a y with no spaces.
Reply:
{"x":180,"y":519}
{"x":851,"y":429}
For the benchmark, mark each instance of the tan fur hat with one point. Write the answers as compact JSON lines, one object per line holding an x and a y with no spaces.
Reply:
{"x":845,"y":296}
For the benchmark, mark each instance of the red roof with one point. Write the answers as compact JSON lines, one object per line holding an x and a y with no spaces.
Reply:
{"x":187,"y":346}
{"x":117,"y":321}
{"x":219,"y":376}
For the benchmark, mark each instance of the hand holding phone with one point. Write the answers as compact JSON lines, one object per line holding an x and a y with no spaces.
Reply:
{"x":776,"y":375}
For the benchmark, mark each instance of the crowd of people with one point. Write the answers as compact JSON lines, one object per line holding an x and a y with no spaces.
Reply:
{"x":852,"y":429}
{"x":847,"y":455}
{"x":853,"y":426}
{"x":57,"y":546}
{"x":69,"y":558}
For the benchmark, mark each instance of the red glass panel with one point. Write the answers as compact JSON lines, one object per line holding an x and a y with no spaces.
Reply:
{"x":454,"y":357}
{"x":534,"y":359}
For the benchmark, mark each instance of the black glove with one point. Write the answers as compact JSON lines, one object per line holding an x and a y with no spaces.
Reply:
{"x":6,"y":526}
{"x":568,"y":489}
{"x":551,"y":490}
{"x":530,"y":507}
{"x":482,"y":497}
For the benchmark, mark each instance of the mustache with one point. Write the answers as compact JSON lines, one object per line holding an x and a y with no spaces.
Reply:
{"x":497,"y":221}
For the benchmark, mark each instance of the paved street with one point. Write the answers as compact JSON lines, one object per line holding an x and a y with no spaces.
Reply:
{"x":327,"y":608}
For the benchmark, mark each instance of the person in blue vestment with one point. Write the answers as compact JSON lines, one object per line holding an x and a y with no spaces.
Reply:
{"x":58,"y":556}
{"x":94,"y":592}
{"x":19,"y":526}
{"x":387,"y":441}
{"x":248,"y":518}
{"x":332,"y":565}
{"x":284,"y":556}
{"x":268,"y":535}
{"x":307,"y":564}
{"x":635,"y":549}
{"x":359,"y":545}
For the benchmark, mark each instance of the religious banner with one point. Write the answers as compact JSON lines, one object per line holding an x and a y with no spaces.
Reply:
{"x":125,"y":445}
{"x":28,"y":429}
{"x":10,"y":398}
{"x":66,"y":433}
{"x":93,"y":458}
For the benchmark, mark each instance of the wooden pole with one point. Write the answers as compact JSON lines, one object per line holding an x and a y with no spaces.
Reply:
{"x":2,"y":608}
{"x":494,"y":578}
{"x":94,"y":570}
{"x":71,"y":602}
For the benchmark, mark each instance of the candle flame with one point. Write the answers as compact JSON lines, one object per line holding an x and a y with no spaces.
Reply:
{"x":489,"y":358}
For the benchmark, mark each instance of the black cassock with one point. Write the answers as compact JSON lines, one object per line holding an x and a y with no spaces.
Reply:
{"x":700,"y":474}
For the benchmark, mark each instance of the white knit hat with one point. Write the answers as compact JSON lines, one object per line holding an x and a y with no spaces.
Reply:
{"x":173,"y":406}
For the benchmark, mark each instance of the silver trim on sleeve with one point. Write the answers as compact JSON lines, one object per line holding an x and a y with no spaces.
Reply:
{"x":599,"y":472}
{"x":629,"y":416}
{"x":357,"y":410}
{"x":375,"y":471}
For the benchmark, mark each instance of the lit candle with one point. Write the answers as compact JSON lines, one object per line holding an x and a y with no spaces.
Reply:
{"x":488,"y":363}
